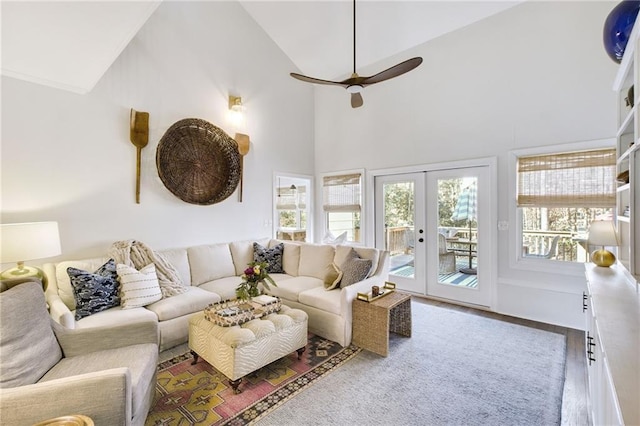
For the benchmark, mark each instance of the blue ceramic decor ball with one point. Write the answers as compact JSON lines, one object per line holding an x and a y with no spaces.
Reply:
{"x":617,"y":28}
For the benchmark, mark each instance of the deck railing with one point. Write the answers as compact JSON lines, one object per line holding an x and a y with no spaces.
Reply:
{"x":538,"y":243}
{"x":400,"y":240}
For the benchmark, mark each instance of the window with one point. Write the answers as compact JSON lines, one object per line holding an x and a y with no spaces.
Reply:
{"x":342,"y":204}
{"x":292,"y":205}
{"x":558,"y":196}
{"x":292,"y":199}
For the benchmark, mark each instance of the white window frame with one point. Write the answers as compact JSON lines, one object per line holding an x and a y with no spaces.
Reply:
{"x":323,"y":215}
{"x":516,"y":259}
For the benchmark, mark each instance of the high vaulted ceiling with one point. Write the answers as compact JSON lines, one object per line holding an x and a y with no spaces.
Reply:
{"x":70,"y":45}
{"x":318,"y":35}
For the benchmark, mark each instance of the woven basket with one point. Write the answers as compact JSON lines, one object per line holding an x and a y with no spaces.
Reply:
{"x":198,"y":162}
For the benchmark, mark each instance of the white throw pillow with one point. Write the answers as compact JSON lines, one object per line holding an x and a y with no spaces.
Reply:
{"x":330,"y":239}
{"x":138,"y":288}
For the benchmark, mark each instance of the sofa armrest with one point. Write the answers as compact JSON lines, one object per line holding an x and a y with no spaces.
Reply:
{"x":86,"y":340}
{"x":104,"y":396}
{"x":60,"y":312}
{"x":348,"y":294}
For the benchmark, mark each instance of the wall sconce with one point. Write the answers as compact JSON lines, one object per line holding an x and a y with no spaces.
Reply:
{"x":28,"y":241}
{"x":603,"y":233}
{"x":236,"y":112}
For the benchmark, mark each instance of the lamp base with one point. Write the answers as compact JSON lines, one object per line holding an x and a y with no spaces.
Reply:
{"x":602,"y":257}
{"x":25,"y":272}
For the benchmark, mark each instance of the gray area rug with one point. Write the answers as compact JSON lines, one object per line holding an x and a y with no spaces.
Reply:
{"x":456,"y":369}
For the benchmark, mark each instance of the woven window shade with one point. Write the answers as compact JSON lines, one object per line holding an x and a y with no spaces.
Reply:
{"x":341,"y":193}
{"x":572,"y":179}
{"x":292,"y":199}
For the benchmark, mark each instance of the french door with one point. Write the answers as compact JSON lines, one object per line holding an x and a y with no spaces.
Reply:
{"x":399,"y":204}
{"x":459,"y":235}
{"x":436,"y":227}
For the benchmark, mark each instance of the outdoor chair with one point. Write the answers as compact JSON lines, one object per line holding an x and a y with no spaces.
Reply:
{"x":48,"y":371}
{"x":550,"y":253}
{"x":447,"y":258}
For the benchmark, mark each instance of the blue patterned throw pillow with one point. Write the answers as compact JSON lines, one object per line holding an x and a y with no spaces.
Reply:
{"x":94,"y":291}
{"x":272,"y":256}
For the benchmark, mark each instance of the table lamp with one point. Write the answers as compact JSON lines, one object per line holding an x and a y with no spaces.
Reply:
{"x":603,"y":233}
{"x":28,"y":241}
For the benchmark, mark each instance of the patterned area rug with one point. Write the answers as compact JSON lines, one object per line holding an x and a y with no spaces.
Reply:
{"x":200,"y":395}
{"x":458,"y":278}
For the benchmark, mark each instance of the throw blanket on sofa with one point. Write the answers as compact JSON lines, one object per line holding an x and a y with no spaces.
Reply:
{"x":137,"y":254}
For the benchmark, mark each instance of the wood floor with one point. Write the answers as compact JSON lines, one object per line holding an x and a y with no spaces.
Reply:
{"x":574,"y":399}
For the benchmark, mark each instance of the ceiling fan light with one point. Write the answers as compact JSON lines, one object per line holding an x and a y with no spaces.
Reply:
{"x":355,"y":88}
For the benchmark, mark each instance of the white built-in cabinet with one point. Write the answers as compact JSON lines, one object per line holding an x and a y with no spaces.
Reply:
{"x":612,"y":314}
{"x":628,"y":155}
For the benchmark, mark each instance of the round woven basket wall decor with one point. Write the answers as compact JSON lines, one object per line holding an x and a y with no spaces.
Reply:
{"x":198,"y":162}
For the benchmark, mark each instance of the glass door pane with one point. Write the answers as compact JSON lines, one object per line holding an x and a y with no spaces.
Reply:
{"x":399,"y":228}
{"x":457,"y":231}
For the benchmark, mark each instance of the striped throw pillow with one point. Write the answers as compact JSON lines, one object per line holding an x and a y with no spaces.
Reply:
{"x":138,"y":288}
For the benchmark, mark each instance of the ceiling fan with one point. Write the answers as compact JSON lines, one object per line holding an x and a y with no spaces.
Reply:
{"x":355,"y":84}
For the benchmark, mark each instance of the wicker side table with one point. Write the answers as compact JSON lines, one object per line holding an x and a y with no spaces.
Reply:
{"x":373,"y":321}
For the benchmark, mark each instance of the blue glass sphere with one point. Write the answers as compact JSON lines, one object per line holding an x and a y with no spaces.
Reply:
{"x":617,"y":28}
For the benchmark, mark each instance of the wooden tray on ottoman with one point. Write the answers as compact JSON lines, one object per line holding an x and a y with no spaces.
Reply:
{"x":228,"y":313}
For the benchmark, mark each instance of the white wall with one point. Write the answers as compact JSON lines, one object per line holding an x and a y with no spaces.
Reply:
{"x":534,"y":75}
{"x":67,"y":157}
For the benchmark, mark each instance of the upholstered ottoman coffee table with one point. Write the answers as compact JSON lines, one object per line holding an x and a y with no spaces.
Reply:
{"x":239,"y":350}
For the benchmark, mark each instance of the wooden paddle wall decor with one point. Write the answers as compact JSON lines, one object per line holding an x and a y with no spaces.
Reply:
{"x":139,"y":135}
{"x":243,"y":148}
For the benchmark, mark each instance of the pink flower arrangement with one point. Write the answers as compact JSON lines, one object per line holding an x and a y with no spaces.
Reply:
{"x":256,"y":273}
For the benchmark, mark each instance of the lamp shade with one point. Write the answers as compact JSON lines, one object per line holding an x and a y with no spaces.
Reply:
{"x":29,"y":241}
{"x":603,"y":233}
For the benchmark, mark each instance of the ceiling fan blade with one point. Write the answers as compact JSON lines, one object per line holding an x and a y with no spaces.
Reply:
{"x":356,"y":100}
{"x":315,"y":80}
{"x":394,"y":71}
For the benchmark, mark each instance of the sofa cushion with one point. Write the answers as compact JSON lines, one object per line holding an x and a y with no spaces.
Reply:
{"x":290,"y":288}
{"x":138,"y":288}
{"x":94,"y":291}
{"x":224,"y":287}
{"x":141,"y":360}
{"x":179,"y":259}
{"x":242,"y":252}
{"x":315,"y":260}
{"x":194,"y":300}
{"x":117,"y":316}
{"x":272,"y":256}
{"x":210,"y":262}
{"x":342,"y":252}
{"x":354,"y":269}
{"x":290,"y":256}
{"x":29,"y":347}
{"x":63,"y":282}
{"x":317,"y":297}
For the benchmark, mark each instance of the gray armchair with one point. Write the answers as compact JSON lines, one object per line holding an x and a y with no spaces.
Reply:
{"x":47,"y":371}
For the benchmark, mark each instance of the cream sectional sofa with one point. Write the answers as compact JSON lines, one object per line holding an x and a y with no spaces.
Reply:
{"x":212,"y":273}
